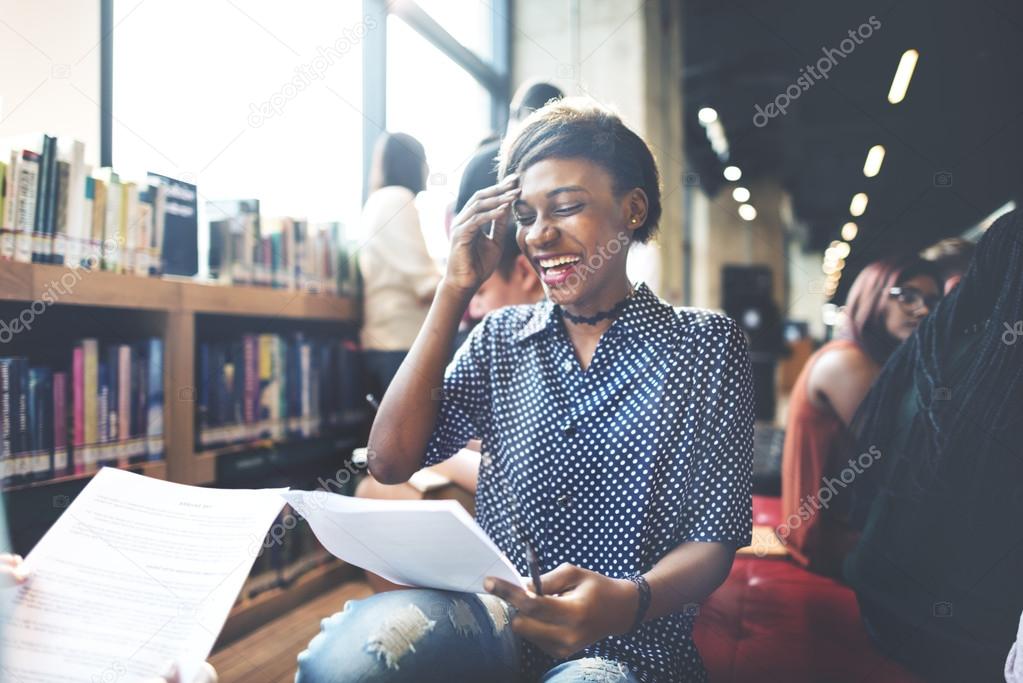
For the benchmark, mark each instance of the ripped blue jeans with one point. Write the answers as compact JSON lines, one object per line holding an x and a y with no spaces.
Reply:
{"x":431,"y":636}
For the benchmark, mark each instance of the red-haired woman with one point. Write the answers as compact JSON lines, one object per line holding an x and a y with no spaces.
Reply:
{"x":885,"y":304}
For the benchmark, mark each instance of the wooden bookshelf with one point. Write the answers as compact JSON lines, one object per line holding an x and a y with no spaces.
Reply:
{"x":177,"y":302}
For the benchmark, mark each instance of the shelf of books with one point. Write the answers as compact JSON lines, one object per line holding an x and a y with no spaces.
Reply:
{"x":113,"y":353}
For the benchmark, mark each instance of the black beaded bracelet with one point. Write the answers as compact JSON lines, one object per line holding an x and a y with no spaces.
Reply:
{"x":644,"y":599}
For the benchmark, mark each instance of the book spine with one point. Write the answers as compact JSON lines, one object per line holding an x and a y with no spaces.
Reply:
{"x":92,"y":421}
{"x":61,"y":188}
{"x":251,"y":382}
{"x":22,"y":446}
{"x":154,"y":402}
{"x":7,"y":213}
{"x":6,"y":424}
{"x":103,"y":414}
{"x":78,"y":408}
{"x":27,"y":189}
{"x":124,"y":404}
{"x":60,"y":424}
{"x":307,"y":394}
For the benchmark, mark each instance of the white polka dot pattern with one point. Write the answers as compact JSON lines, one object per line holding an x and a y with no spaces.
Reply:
{"x":612,"y":467}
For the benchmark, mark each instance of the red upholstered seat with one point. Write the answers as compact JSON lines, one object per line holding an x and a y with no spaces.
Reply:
{"x":774,"y":621}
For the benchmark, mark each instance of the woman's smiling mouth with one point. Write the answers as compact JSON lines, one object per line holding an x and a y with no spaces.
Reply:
{"x":556,"y":268}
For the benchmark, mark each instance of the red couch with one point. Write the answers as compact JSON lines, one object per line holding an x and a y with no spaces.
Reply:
{"x":774,"y":621}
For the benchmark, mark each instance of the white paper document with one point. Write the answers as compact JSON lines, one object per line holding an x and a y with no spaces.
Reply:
{"x":136,"y":573}
{"x":429,"y":544}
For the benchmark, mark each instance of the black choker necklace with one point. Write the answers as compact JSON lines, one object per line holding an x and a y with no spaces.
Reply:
{"x":597,"y":317}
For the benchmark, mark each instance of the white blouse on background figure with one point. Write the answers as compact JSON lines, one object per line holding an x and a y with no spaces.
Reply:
{"x":399,"y":277}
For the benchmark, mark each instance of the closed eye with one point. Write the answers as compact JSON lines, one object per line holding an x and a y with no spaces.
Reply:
{"x":568,"y":210}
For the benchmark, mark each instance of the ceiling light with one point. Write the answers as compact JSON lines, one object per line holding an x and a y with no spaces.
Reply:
{"x":732,"y":173}
{"x":858,"y":204}
{"x":740,"y":194}
{"x":747,"y":212}
{"x":902,"y":76}
{"x":843,"y":250}
{"x":872,"y":166}
{"x":707,"y":115}
{"x":849,"y":231}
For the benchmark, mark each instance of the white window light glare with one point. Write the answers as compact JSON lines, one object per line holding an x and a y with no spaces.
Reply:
{"x":707,"y":115}
{"x":903,"y":74}
{"x":740,"y":194}
{"x":858,"y":204}
{"x":872,"y":166}
{"x":732,"y":173}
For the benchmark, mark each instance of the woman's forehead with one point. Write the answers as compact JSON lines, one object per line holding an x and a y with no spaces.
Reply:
{"x":549,"y":175}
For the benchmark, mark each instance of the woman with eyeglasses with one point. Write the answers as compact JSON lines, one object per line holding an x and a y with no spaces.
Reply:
{"x":885,"y":304}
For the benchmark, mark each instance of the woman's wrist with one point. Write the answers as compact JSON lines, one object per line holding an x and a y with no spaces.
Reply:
{"x":625,"y":607}
{"x":455,"y":293}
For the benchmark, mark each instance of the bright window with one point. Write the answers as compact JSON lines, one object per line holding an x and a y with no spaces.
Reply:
{"x":258,"y":100}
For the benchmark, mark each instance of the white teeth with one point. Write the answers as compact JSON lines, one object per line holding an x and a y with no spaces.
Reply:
{"x":557,"y":261}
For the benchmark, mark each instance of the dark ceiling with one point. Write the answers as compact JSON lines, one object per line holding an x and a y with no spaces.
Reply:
{"x":953,"y":145}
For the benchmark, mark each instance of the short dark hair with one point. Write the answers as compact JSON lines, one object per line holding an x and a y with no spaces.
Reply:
{"x":398,"y":159}
{"x":533,"y":95}
{"x":950,"y":256}
{"x":580,"y":128}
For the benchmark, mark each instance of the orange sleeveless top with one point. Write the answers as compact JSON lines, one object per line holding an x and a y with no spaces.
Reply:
{"x":815,"y":439}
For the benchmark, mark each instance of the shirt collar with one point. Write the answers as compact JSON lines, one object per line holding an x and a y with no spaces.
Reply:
{"x":644,"y":314}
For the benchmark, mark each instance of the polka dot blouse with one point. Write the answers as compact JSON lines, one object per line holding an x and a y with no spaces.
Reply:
{"x":612,"y":467}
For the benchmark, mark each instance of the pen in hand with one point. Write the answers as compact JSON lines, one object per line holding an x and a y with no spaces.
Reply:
{"x":534,"y":568}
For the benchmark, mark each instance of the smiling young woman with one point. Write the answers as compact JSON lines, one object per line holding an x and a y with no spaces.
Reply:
{"x":616,"y":437}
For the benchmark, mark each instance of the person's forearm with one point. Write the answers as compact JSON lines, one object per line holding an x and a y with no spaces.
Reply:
{"x":462,"y":469}
{"x":686,"y":576}
{"x":408,"y":411}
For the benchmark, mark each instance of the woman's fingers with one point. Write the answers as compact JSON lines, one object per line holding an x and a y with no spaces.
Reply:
{"x":472,"y":225}
{"x":475,"y":208}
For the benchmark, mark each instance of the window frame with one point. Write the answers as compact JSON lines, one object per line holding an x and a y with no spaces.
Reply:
{"x":492,"y":75}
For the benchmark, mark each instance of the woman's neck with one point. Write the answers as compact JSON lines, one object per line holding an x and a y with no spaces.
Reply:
{"x":603,"y":301}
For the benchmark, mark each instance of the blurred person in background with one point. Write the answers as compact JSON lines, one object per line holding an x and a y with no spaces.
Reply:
{"x":885,"y":304}
{"x":951,"y":257}
{"x":399,"y":277}
{"x":938,"y":569}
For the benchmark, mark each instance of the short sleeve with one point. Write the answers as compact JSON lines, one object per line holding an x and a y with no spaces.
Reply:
{"x":464,"y":397}
{"x":719,"y":503}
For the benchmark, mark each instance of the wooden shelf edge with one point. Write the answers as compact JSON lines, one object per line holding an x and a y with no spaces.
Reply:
{"x":53,"y":284}
{"x":249,"y":615}
{"x":154,"y":468}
